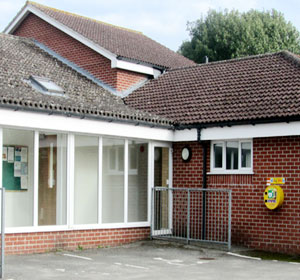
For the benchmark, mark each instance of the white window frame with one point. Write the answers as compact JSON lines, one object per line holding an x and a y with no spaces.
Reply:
{"x":116,"y":170}
{"x":223,"y":170}
{"x":69,"y":226}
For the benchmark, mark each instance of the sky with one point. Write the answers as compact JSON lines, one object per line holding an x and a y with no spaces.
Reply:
{"x":162,"y":20}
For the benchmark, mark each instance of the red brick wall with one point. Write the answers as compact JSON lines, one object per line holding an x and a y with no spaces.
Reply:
{"x":253,"y":225}
{"x":73,"y":50}
{"x":27,"y":243}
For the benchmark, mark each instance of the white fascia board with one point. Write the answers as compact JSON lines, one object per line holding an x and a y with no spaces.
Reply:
{"x":13,"y":25}
{"x":44,"y":122}
{"x":251,"y":131}
{"x":115,"y":63}
{"x":185,"y":135}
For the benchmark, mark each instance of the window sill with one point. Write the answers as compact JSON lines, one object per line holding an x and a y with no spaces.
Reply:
{"x":227,"y":172}
{"x":31,"y":229}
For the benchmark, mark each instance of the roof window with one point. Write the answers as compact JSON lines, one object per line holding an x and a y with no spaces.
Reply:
{"x":46,"y":86}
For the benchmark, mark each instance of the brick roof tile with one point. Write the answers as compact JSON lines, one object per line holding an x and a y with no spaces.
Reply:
{"x":258,"y":87}
{"x":120,"y":41}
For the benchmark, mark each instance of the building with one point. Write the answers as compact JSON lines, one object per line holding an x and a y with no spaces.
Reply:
{"x":91,"y":155}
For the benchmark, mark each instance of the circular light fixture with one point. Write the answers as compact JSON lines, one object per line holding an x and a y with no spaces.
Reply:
{"x":186,"y":154}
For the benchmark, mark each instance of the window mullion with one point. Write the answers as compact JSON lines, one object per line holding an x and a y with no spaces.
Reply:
{"x":126,"y":181}
{"x":240,"y":156}
{"x":224,"y":156}
{"x":70,"y":182}
{"x":100,"y":149}
{"x":36,"y":179}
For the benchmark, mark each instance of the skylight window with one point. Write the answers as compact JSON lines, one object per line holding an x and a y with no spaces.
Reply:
{"x":46,"y":86}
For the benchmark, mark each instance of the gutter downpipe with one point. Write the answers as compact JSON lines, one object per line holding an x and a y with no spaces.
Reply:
{"x":204,"y":182}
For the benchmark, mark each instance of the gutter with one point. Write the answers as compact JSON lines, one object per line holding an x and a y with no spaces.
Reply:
{"x":232,"y":123}
{"x":87,"y":116}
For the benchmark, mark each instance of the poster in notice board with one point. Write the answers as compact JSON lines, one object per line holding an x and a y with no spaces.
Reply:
{"x":15,"y":168}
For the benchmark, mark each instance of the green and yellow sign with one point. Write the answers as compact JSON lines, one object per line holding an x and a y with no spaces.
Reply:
{"x":274,"y":196}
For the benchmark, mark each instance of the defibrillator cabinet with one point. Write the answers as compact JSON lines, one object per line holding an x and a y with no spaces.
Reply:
{"x":273,"y":197}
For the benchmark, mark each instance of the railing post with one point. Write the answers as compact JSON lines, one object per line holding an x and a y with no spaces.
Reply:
{"x":188,"y":217}
{"x":229,"y":220}
{"x":203,"y":233}
{"x":152,"y":213}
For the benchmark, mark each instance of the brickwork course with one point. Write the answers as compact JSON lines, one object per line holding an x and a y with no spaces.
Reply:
{"x":40,"y":242}
{"x":253,"y":225}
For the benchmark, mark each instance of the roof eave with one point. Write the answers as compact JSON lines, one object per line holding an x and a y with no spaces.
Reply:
{"x":287,"y":119}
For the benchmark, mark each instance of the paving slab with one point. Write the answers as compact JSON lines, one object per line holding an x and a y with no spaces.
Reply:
{"x":147,"y":260}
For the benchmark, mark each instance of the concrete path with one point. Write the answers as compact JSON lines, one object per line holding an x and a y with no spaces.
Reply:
{"x":147,"y":260}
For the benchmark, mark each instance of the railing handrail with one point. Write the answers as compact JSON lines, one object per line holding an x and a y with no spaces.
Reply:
{"x":189,"y":189}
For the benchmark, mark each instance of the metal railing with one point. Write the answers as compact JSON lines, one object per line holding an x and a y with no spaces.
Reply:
{"x":192,"y":214}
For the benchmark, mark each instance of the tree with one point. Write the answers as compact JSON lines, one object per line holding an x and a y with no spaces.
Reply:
{"x":224,"y":35}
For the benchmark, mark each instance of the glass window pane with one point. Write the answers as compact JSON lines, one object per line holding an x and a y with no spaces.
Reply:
{"x":246,"y":154}
{"x":137,"y":181}
{"x":86,"y":180}
{"x":161,"y":179}
{"x":232,"y":155}
{"x":121,"y":158}
{"x":113,"y":181}
{"x":17,"y":179}
{"x":112,"y":159}
{"x":52,"y":198}
{"x":218,"y":155}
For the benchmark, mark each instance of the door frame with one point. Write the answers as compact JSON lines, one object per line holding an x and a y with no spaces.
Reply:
{"x":170,"y":206}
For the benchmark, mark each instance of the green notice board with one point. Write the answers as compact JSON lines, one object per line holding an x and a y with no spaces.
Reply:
{"x":15,"y":168}
{"x":9,"y":181}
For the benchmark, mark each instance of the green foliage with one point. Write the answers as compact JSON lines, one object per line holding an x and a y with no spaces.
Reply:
{"x":79,"y":247}
{"x":231,"y":34}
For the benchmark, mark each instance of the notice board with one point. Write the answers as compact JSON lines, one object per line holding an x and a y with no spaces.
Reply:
{"x":15,"y":168}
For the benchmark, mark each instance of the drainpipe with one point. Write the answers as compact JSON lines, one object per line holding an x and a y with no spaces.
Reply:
{"x":204,"y":183}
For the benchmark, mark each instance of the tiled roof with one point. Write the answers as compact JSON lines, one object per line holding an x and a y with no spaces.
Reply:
{"x":119,"y":41}
{"x":20,"y":58}
{"x":252,"y":88}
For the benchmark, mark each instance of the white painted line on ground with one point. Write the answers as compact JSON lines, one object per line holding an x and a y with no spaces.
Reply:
{"x":202,"y":262}
{"x":171,"y":262}
{"x":60,"y":269}
{"x":294,"y":263}
{"x":136,"y":266}
{"x":242,"y":256}
{"x":78,"y":257}
{"x":133,"y":266}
